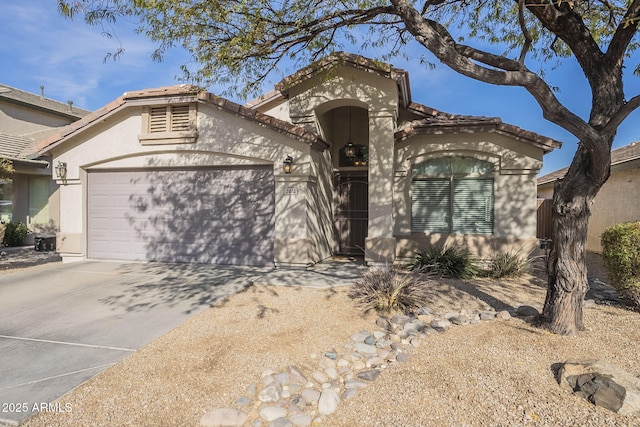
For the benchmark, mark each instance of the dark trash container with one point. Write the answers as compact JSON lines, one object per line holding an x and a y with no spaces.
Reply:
{"x":44,"y":243}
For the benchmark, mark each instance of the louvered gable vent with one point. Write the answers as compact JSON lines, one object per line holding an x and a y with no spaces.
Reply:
{"x":169,"y":124}
{"x":158,"y":120}
{"x":180,"y":118}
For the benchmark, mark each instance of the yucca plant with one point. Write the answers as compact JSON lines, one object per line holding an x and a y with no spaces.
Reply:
{"x":446,"y":262}
{"x":386,"y":291}
{"x":508,"y":264}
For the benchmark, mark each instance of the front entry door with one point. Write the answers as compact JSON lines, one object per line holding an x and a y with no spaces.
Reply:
{"x":352,"y":211}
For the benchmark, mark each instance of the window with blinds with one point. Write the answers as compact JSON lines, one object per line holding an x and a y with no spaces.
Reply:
{"x":169,"y":124}
{"x":452,"y":196}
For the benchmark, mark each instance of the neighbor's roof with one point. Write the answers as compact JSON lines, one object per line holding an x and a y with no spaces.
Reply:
{"x":17,"y":96}
{"x":435,"y":122}
{"x":12,"y":146}
{"x":16,"y":148}
{"x":191,"y":94}
{"x":618,"y":156}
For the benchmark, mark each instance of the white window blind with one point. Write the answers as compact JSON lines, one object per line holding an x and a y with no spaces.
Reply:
{"x":458,"y":201}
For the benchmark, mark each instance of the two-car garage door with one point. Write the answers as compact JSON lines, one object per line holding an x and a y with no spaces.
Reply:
{"x":219,"y":216}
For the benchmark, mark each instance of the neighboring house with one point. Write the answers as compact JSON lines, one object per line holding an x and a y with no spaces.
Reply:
{"x":26,"y":118}
{"x":336,"y":160}
{"x":617,"y":201}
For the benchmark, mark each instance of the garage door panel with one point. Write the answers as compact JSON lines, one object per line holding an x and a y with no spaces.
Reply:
{"x":223,"y":216}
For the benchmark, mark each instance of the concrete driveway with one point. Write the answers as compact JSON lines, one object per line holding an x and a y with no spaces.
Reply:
{"x":61,"y":325}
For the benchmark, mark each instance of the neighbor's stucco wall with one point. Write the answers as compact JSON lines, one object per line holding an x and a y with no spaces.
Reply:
{"x":617,"y":201}
{"x":516,"y":165}
{"x":20,"y":199}
{"x":545,"y":191}
{"x":21,"y":120}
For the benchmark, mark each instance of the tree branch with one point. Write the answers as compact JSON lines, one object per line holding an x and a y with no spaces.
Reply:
{"x":620,"y":115}
{"x":624,"y":33}
{"x":525,"y":32}
{"x":503,"y":71}
{"x":560,"y":19}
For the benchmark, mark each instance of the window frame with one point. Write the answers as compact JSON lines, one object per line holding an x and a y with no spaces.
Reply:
{"x":482,"y":171}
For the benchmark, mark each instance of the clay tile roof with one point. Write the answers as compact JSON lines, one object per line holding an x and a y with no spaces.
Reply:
{"x":271,"y":122}
{"x":336,"y":59}
{"x":182,"y":89}
{"x":193,"y":92}
{"x":18,"y":96}
{"x":77,"y":125}
{"x":438,"y":122}
{"x":618,"y":156}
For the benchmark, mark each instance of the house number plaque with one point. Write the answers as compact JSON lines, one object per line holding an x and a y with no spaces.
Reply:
{"x":290,"y":190}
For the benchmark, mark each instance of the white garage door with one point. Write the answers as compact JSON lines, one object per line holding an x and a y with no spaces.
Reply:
{"x":218,"y":216}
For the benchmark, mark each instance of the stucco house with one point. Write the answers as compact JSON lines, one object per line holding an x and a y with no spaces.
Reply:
{"x":26,"y":118}
{"x":338,"y":159}
{"x":617,"y":201}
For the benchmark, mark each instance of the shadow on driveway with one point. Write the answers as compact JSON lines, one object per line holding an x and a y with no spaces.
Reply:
{"x":62,"y":324}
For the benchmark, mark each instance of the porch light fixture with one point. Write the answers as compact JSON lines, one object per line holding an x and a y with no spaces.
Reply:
{"x":61,"y":170}
{"x":350,"y":149}
{"x":286,"y":165}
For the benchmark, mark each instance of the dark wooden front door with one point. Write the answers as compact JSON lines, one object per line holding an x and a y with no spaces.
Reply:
{"x":352,"y":211}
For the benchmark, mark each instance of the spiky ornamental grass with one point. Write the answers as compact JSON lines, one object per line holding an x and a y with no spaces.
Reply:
{"x":509,"y":264}
{"x":446,"y":262}
{"x":386,"y":291}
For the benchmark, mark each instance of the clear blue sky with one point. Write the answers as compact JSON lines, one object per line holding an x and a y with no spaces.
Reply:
{"x":39,"y":47}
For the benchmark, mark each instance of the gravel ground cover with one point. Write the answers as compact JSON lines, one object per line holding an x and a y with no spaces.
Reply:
{"x":489,"y":374}
{"x":13,"y":259}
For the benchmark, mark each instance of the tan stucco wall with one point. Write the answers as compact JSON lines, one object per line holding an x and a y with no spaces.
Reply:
{"x":24,"y":121}
{"x":223,"y":140}
{"x":21,"y":178}
{"x":516,"y":165}
{"x":278,"y":110}
{"x":618,"y":201}
{"x":320,"y":207}
{"x":545,"y":191}
{"x":310,"y":105}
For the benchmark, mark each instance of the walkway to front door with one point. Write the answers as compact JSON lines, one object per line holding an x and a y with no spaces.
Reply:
{"x":352,"y":211}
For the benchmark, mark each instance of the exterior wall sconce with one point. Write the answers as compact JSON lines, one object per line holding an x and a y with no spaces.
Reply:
{"x":61,"y":170}
{"x":286,"y":165}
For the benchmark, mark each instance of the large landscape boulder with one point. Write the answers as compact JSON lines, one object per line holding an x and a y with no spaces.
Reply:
{"x":602,"y":384}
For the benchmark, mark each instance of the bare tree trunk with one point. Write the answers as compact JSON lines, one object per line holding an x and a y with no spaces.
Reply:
{"x":567,"y":282}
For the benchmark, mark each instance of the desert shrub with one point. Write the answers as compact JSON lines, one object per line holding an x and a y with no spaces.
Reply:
{"x":621,"y":256}
{"x":14,"y":234}
{"x":508,"y":264}
{"x":446,"y":262}
{"x":386,"y":291}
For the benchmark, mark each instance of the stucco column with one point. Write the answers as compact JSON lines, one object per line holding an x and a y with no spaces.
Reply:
{"x":71,"y":240}
{"x":291,"y":243}
{"x":380,"y":244}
